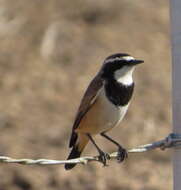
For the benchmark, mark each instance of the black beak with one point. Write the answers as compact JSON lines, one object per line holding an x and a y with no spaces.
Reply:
{"x":136,"y":61}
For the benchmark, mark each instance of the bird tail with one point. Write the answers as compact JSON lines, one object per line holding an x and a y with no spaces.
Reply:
{"x":77,"y":150}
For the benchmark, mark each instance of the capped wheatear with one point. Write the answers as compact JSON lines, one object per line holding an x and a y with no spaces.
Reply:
{"x":104,"y":105}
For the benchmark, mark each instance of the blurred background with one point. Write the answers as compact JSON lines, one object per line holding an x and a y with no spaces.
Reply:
{"x":49,"y":52}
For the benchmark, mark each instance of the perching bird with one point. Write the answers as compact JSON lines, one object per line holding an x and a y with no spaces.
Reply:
{"x":104,"y":105}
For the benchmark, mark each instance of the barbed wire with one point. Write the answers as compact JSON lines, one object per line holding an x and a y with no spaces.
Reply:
{"x":171,"y":141}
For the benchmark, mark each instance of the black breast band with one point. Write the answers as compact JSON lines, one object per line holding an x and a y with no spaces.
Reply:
{"x":118,"y":93}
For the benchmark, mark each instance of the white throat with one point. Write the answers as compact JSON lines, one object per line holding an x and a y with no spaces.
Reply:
{"x":124,"y":75}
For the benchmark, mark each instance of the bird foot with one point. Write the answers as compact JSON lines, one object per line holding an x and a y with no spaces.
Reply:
{"x":122,"y":154}
{"x":103,"y":157}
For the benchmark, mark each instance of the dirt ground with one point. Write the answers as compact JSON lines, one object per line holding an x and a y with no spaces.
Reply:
{"x":49,"y":51}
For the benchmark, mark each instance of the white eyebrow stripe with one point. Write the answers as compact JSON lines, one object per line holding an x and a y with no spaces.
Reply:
{"x":127,"y":58}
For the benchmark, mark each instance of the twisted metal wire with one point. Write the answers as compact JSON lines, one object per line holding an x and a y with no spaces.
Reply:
{"x":171,"y":141}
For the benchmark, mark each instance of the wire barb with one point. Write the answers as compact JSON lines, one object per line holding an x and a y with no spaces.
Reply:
{"x":173,"y":140}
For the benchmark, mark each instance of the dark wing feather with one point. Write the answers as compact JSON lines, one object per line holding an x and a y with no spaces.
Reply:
{"x":87,"y":101}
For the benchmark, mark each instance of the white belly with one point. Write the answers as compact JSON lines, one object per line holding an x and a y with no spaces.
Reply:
{"x":102,"y":116}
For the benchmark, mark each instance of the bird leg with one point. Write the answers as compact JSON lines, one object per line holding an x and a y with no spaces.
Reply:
{"x":102,"y":155}
{"x":122,"y":153}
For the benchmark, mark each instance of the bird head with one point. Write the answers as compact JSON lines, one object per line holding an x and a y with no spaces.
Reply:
{"x":119,"y":66}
